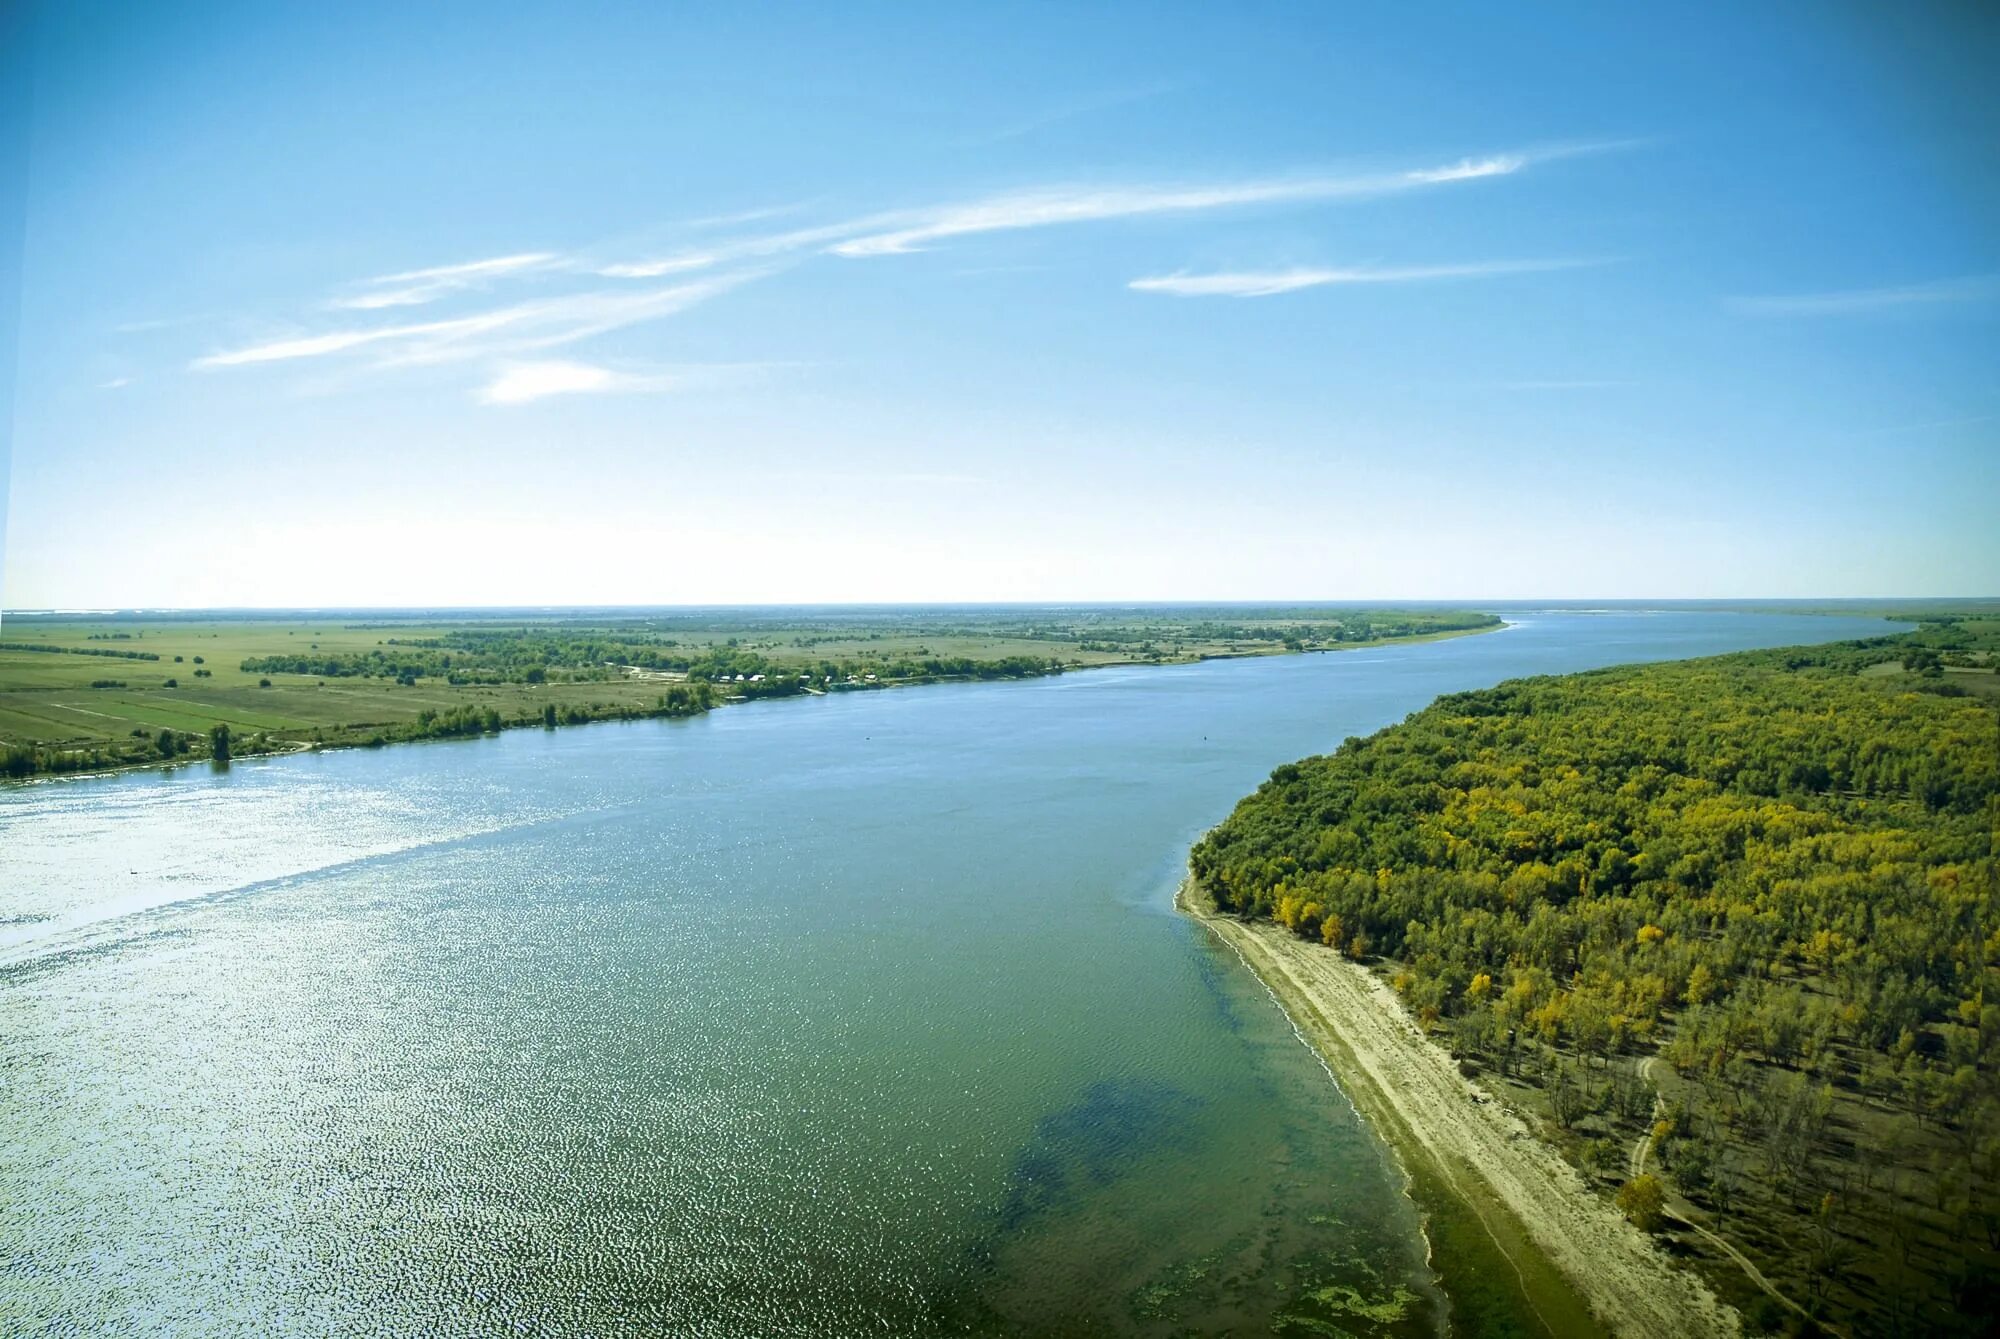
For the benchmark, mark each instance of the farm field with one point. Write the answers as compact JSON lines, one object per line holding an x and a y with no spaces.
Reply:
{"x":82,"y":692}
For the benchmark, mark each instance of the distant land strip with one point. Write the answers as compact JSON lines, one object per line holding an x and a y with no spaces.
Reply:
{"x":99,"y":692}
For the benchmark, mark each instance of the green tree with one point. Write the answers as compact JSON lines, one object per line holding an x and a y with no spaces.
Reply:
{"x":1644,"y":1202}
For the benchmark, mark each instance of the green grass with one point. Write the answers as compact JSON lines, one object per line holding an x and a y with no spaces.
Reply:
{"x":47,"y":703}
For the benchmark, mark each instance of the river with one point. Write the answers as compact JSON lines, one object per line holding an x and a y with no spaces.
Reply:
{"x":866,"y":1014}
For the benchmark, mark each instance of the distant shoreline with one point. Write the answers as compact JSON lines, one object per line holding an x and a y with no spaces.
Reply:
{"x":292,"y":747}
{"x":1516,"y":1235}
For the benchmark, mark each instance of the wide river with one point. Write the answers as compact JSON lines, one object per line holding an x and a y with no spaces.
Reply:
{"x":858,"y":1015}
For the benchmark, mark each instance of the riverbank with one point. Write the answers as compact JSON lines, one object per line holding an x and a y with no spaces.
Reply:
{"x":1514,"y":1229}
{"x":146,"y":730}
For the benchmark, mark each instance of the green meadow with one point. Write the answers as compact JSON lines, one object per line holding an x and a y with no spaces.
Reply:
{"x":89,"y":692}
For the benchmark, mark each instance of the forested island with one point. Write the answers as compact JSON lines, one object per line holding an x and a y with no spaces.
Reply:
{"x":1723,"y":929}
{"x":207,"y":685}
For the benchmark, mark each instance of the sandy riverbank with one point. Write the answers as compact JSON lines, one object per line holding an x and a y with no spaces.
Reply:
{"x":1582,"y":1269}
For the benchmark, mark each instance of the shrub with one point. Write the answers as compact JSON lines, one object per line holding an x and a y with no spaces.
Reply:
{"x":1643,"y":1202}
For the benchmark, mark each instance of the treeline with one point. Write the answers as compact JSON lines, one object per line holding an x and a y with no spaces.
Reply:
{"x":481,"y":656}
{"x":494,"y":657}
{"x":461,"y":722}
{"x":1361,"y":626}
{"x":1771,"y":867}
{"x":1290,"y":627}
{"x":563,"y":653}
{"x":407,"y":664}
{"x":753,"y":675}
{"x":25,"y":760}
{"x":221,"y":744}
{"x":46,"y":649}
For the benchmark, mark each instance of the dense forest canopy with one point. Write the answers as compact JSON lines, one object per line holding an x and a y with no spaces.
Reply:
{"x":1744,"y":806}
{"x":1774,"y":866}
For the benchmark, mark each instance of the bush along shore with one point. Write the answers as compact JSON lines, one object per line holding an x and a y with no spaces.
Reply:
{"x":1721,"y":932}
{"x":221,"y":744}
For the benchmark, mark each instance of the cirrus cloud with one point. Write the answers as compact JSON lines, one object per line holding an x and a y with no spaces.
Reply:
{"x":1266,"y":283}
{"x":606,"y":293}
{"x":524,"y":382}
{"x":1044,"y":208}
{"x":413,"y":288}
{"x":542,"y":324}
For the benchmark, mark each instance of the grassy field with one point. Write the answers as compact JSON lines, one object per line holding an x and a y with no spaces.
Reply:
{"x":84,"y":692}
{"x":47,"y":700}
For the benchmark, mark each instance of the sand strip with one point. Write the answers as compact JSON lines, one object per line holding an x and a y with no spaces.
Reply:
{"x":1451,"y":1131}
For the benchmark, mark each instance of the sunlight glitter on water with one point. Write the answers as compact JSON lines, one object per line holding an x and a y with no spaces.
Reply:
{"x":860,"y":1015}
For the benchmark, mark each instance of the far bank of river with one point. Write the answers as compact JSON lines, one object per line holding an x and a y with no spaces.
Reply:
{"x":475,"y":713}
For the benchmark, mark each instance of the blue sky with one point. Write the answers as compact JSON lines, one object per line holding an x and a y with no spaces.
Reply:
{"x":484,"y":304}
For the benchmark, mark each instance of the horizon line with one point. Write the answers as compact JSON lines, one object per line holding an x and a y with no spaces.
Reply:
{"x":77,"y":611}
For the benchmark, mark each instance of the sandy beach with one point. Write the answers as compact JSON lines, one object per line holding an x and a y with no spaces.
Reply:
{"x":1582,"y":1267}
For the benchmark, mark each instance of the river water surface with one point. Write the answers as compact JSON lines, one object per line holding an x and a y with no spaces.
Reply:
{"x":858,"y":1015}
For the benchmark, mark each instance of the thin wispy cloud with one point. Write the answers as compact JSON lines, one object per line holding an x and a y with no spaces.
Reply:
{"x":878,"y":234}
{"x":547,"y":323}
{"x":1470,"y":169}
{"x":534,"y":381}
{"x":524,"y":383}
{"x":558,"y":321}
{"x":529,"y":380}
{"x":1267,"y":283}
{"x":340,"y":341}
{"x":413,"y":288}
{"x":115,"y":383}
{"x":900,"y":232}
{"x":1047,"y":208}
{"x":509,"y":337}
{"x":654,"y":269}
{"x":762,"y":247}
{"x":1976,"y":288}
